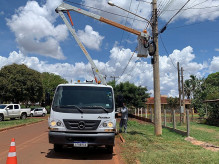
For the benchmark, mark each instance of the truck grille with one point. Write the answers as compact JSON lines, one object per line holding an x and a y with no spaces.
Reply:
{"x":81,"y":124}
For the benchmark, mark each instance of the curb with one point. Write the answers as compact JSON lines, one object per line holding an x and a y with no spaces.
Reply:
{"x":18,"y":126}
{"x":121,"y":138}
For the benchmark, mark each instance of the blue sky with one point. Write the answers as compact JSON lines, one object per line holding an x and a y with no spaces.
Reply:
{"x":32,"y":33}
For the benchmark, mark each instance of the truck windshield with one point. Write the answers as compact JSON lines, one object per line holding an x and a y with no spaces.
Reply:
{"x":2,"y":106}
{"x":83,"y":99}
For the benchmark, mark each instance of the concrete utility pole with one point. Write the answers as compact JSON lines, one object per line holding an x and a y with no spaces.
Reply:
{"x":183,"y":100}
{"x":157,"y":101}
{"x":179,"y":88}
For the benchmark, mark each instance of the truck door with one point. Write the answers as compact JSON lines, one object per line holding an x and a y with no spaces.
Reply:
{"x":16,"y":111}
{"x":10,"y":111}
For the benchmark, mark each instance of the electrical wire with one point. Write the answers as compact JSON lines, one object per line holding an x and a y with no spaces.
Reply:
{"x":125,"y":22}
{"x":171,"y":28}
{"x":133,"y":22}
{"x":165,"y":26}
{"x":127,"y":65}
{"x":195,"y":8}
{"x":102,"y":10}
{"x":167,"y":51}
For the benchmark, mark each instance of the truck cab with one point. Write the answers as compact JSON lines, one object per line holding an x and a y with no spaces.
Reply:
{"x":82,"y":115}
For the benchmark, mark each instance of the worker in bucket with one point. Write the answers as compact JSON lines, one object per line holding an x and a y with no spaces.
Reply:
{"x":124,"y":118}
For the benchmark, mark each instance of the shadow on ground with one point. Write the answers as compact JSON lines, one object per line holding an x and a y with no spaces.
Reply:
{"x":91,"y":153}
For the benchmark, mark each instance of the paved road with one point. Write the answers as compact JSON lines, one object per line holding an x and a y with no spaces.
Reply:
{"x":32,"y":146}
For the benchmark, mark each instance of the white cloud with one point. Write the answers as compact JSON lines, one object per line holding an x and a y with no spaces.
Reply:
{"x":139,"y":72}
{"x":34,"y":29}
{"x":216,"y":49}
{"x":2,"y":13}
{"x":214,"y":66}
{"x":90,"y":38}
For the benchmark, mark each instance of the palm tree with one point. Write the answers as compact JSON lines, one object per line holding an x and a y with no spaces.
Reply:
{"x":187,"y":88}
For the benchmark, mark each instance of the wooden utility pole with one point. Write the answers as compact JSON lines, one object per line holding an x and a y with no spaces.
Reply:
{"x":179,"y":86}
{"x":157,"y":101}
{"x":114,"y":78}
{"x":183,"y":101}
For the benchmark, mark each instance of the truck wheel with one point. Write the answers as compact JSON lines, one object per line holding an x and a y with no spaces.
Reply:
{"x":57,"y":148}
{"x":31,"y":115}
{"x":109,"y":149}
{"x":43,"y":115}
{"x":1,"y":117}
{"x":23,"y":116}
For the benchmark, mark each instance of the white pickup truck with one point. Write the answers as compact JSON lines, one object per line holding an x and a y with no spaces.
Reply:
{"x":13,"y":111}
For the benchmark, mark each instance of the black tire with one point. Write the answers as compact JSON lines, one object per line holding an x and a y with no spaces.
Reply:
{"x":43,"y":114}
{"x":31,"y":115}
{"x":109,"y":149}
{"x":57,"y":148}
{"x":1,"y":117}
{"x":23,"y":116}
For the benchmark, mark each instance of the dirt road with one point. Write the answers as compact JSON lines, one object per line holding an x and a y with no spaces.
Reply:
{"x":32,"y":146}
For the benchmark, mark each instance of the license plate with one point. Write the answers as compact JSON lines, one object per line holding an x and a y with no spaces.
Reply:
{"x":80,"y":144}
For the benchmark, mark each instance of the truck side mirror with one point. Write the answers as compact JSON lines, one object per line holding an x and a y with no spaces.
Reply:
{"x":47,"y":98}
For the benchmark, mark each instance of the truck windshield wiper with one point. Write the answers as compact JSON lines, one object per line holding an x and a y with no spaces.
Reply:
{"x":96,"y":107}
{"x":72,"y":106}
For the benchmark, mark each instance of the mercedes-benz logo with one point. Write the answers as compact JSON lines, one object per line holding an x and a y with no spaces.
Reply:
{"x":81,"y":125}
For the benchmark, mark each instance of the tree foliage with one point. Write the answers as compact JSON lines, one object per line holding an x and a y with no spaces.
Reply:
{"x":50,"y":81}
{"x":133,"y":96}
{"x":18,"y":83}
{"x":173,"y":103}
{"x":204,"y":89}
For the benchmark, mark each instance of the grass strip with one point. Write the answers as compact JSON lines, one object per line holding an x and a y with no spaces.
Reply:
{"x":12,"y":123}
{"x":142,"y":146}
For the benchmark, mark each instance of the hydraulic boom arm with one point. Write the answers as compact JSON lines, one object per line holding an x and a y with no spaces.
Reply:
{"x":72,"y":30}
{"x":67,"y":7}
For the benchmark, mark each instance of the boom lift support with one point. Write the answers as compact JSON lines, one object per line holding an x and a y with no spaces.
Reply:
{"x":143,"y":37}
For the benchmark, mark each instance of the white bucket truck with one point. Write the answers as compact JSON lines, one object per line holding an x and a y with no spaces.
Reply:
{"x":82,"y":115}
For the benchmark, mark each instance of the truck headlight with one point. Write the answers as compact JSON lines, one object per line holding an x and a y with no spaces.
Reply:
{"x":55,"y":123}
{"x":110,"y":124}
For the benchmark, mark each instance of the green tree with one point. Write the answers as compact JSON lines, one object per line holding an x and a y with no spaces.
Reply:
{"x":211,"y":85}
{"x":18,"y":83}
{"x":50,"y":81}
{"x":134,"y":96}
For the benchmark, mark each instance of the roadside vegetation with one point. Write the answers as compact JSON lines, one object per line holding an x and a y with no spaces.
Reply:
{"x":13,"y":123}
{"x":20,"y":84}
{"x":142,"y":146}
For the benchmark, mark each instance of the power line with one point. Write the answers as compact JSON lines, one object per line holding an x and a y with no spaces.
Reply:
{"x":133,"y":22}
{"x":125,"y":22}
{"x":194,"y":8}
{"x":102,"y":10}
{"x":164,"y":28}
{"x":190,"y":24}
{"x":166,"y":51}
{"x":126,"y":65}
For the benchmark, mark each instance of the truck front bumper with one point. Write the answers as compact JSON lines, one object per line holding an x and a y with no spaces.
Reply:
{"x":96,"y":139}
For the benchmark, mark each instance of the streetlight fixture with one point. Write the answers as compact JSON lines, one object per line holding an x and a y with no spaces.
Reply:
{"x":112,"y":4}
